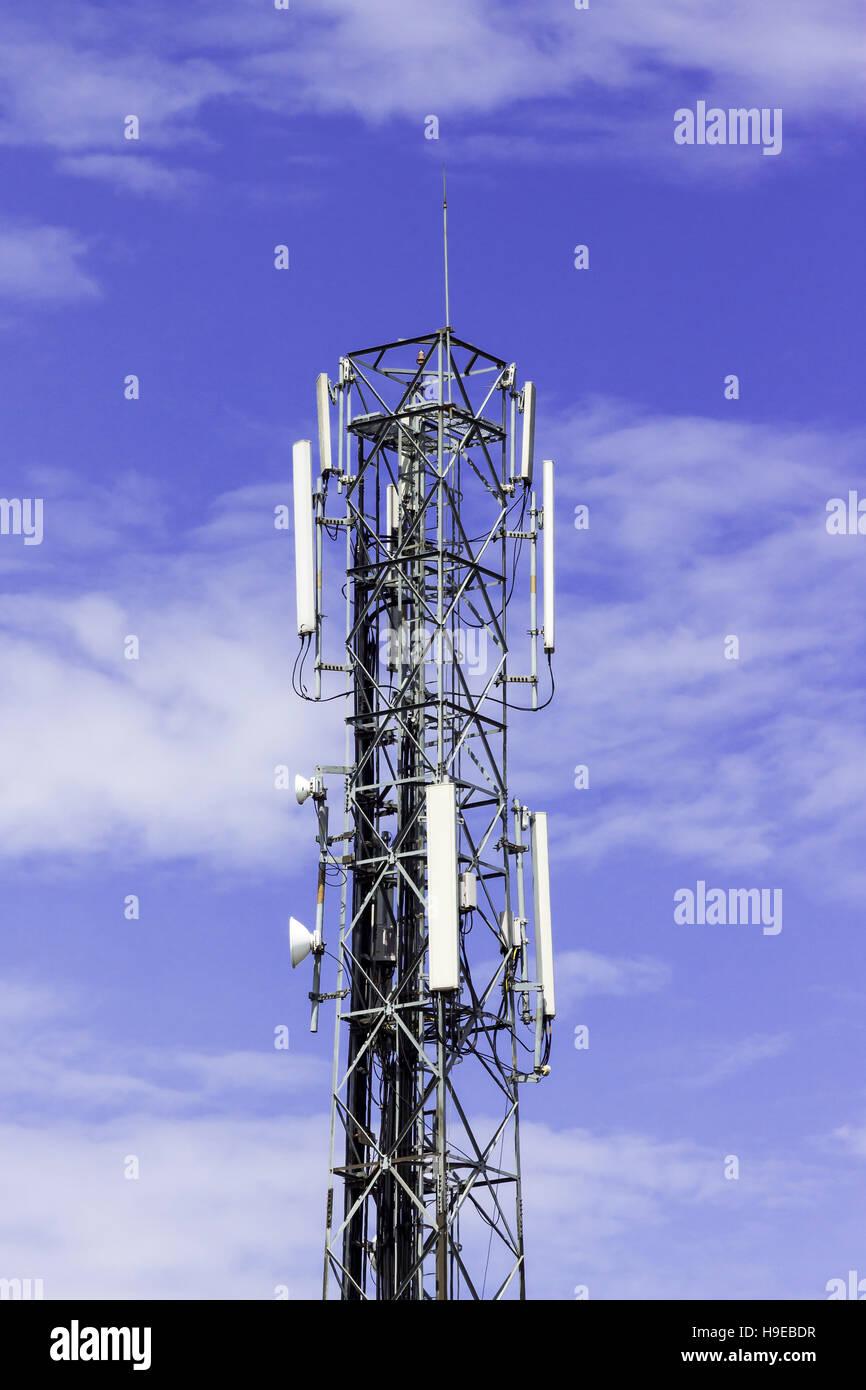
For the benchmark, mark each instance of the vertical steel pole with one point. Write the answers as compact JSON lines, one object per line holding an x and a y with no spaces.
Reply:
{"x":441,"y":1152}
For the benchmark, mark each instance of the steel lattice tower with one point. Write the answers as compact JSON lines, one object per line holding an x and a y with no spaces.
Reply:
{"x":441,"y":1011}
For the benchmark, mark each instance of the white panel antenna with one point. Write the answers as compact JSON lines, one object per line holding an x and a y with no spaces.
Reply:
{"x":323,"y":408}
{"x":392,"y":509}
{"x":527,"y":441}
{"x":302,"y":474}
{"x":547,"y":556}
{"x":543,"y":929}
{"x":443,"y":916}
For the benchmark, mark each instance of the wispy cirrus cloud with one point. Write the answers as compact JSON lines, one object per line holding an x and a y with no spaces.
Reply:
{"x":717,"y":1062}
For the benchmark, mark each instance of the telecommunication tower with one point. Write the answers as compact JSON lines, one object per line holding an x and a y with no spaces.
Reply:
{"x":443,"y":971}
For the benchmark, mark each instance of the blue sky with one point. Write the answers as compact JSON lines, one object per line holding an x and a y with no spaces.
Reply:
{"x":707,"y":518}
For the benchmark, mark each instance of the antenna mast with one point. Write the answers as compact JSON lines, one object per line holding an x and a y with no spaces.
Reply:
{"x":445,"y":240}
{"x":444,"y":974}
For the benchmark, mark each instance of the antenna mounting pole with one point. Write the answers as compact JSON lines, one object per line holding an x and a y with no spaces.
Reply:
{"x":445,"y":240}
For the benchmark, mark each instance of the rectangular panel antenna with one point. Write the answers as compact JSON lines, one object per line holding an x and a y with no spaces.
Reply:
{"x":302,"y":474}
{"x":543,"y":929}
{"x":323,"y":407}
{"x":443,"y":916}
{"x":527,"y":441}
{"x":547,"y":538}
{"x":392,"y":509}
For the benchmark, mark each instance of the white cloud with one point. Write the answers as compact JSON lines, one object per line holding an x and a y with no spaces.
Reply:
{"x":70,"y":85}
{"x":700,"y":529}
{"x":70,"y":82}
{"x":633,"y":1216}
{"x":174,"y":754}
{"x":852,"y":1139}
{"x":23,"y":1002}
{"x":230,"y":1206}
{"x":50,"y":1060}
{"x":460,"y":57}
{"x":230,"y":1199}
{"x":224,"y":1207}
{"x":134,"y":173}
{"x":42,"y":265}
{"x":720,"y":1061}
{"x":582,"y":973}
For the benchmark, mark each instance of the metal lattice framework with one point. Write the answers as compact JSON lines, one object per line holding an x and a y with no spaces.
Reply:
{"x":425,"y":1138}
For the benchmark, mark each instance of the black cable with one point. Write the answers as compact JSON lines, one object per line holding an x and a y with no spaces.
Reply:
{"x":304,"y":653}
{"x":530,"y":708}
{"x":305,"y":639}
{"x":303,"y":693}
